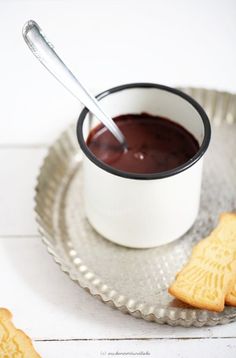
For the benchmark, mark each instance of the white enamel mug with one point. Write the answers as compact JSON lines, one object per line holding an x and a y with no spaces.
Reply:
{"x":144,"y":210}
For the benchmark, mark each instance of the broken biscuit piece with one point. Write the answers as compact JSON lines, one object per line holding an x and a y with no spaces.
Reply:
{"x":14,"y":342}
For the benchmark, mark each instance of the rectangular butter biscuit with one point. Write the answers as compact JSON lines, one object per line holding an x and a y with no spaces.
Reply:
{"x":206,"y":279}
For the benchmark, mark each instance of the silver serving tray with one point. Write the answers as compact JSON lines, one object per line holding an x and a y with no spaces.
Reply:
{"x":136,"y":280}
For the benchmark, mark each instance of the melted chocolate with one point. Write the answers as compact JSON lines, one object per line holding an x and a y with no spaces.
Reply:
{"x":155,"y":144}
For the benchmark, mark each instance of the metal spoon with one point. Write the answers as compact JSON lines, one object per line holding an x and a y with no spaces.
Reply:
{"x":44,"y":52}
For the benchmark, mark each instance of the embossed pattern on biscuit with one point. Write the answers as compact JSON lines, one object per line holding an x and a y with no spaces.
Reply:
{"x":231,"y":296}
{"x":14,"y":342}
{"x":209,"y":275}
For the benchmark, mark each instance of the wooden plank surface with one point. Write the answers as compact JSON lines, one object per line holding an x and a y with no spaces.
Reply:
{"x":19,"y":169}
{"x":168,"y":348}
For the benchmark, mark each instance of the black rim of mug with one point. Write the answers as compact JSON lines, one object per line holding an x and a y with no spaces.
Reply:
{"x":161,"y":175}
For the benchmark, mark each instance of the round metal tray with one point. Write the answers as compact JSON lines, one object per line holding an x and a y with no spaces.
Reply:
{"x":136,"y":280}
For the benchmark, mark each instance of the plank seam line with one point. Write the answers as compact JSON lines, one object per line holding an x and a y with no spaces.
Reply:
{"x":19,"y":236}
{"x":130,"y":339}
{"x":23,"y":146}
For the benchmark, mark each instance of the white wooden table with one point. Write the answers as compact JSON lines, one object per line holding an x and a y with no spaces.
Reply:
{"x":106,"y":42}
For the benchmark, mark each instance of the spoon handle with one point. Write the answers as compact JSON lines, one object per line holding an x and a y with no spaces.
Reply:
{"x":44,"y":52}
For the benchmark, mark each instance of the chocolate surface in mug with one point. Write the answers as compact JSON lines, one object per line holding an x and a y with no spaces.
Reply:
{"x":155,"y":144}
